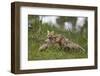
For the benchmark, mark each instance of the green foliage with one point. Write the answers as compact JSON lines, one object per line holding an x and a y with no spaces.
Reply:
{"x":38,"y":34}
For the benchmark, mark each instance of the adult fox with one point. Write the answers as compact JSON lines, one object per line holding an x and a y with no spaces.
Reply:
{"x":63,"y":42}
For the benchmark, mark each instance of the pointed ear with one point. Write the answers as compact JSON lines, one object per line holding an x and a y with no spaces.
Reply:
{"x":48,"y":31}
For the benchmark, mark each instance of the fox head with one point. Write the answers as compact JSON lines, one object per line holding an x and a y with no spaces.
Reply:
{"x":50,"y":34}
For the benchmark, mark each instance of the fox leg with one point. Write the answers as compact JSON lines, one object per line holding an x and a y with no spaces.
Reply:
{"x":43,"y":47}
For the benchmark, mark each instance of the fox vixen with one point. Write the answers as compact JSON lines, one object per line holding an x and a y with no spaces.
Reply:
{"x":63,"y":42}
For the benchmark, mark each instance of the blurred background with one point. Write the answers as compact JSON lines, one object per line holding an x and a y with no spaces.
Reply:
{"x":79,"y":24}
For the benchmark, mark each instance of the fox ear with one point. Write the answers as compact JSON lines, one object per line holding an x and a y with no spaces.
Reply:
{"x":48,"y":31}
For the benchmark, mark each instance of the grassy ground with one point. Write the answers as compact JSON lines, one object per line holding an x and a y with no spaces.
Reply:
{"x":37,"y":36}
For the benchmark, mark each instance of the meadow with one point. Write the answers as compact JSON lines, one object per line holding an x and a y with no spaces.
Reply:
{"x":37,"y":34}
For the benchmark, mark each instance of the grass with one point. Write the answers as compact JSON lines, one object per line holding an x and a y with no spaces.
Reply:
{"x":37,"y":35}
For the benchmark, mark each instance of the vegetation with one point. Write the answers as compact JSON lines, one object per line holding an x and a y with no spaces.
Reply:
{"x":37,"y":34}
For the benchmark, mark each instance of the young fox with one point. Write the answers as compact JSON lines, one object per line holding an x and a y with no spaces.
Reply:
{"x":63,"y":42}
{"x":66,"y":43}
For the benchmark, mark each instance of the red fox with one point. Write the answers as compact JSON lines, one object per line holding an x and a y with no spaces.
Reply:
{"x":63,"y":42}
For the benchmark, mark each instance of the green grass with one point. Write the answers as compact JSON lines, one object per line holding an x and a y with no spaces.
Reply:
{"x":37,"y":35}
